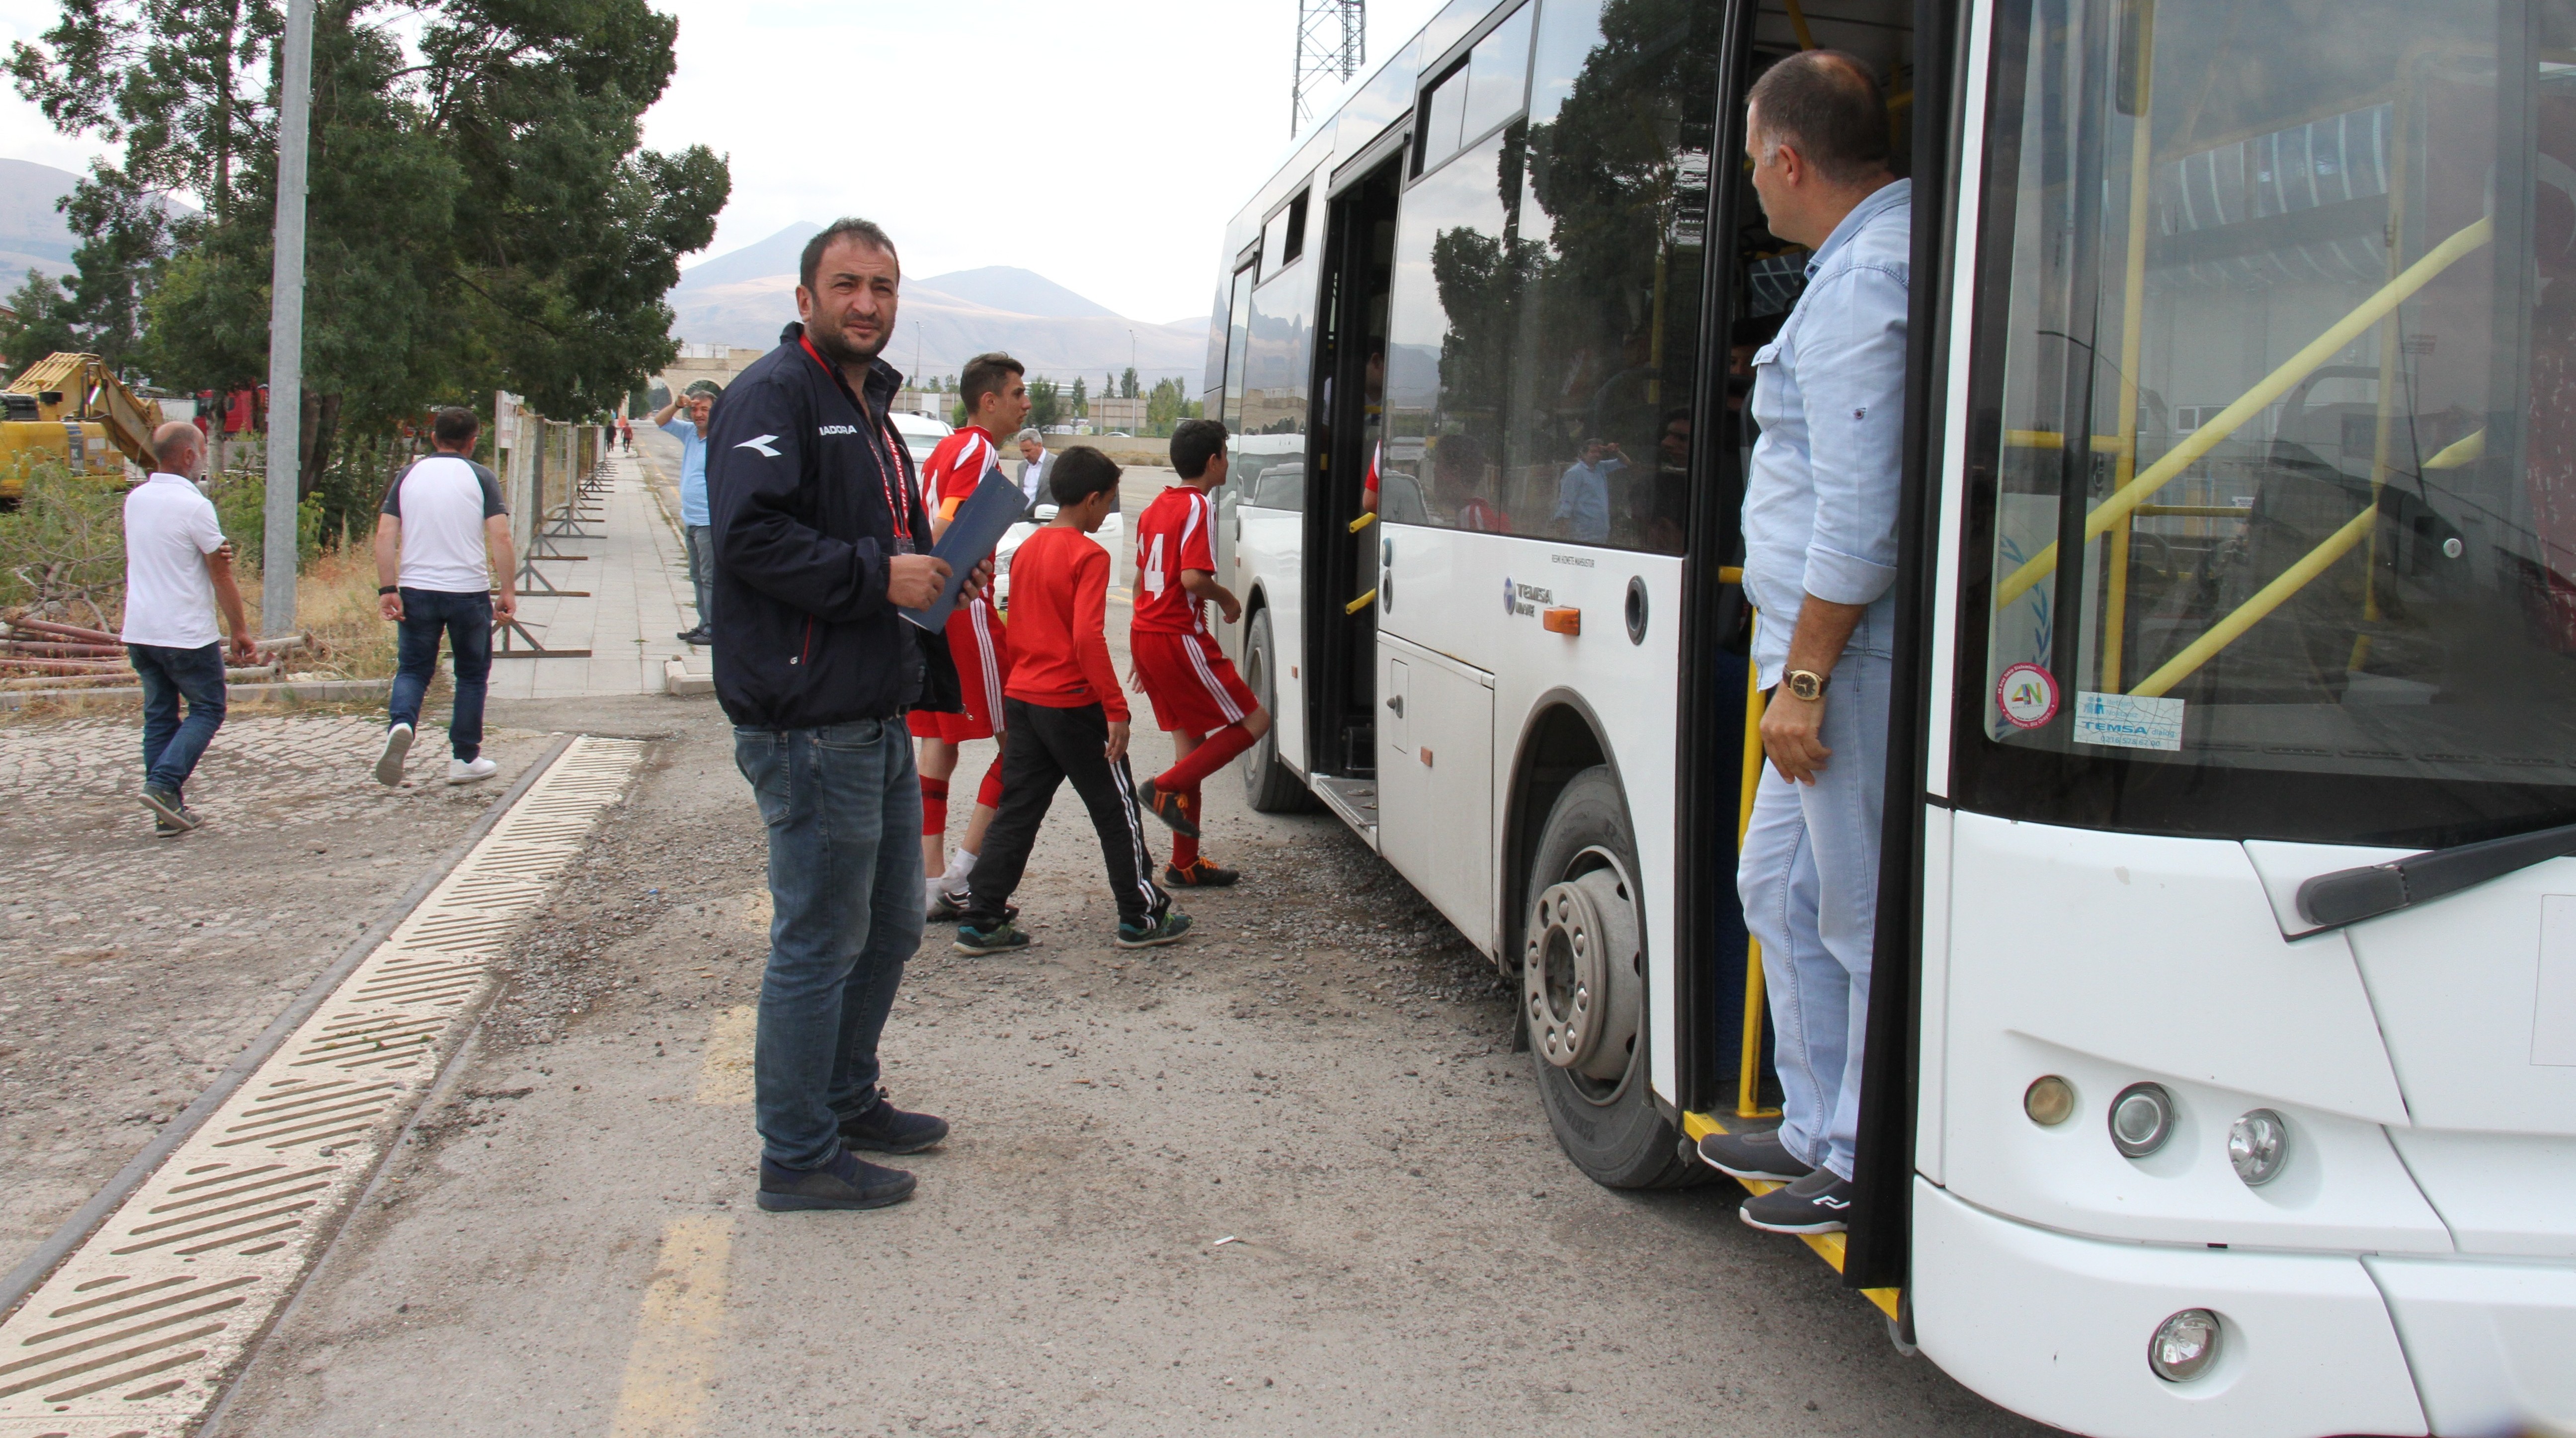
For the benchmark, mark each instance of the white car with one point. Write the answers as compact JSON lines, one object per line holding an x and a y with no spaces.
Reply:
{"x":1111,"y":536}
{"x":921,"y":434}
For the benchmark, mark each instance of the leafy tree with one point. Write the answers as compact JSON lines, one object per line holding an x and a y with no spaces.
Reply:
{"x":1127,"y":383}
{"x":43,"y":324}
{"x":1047,"y":403}
{"x":480,"y":214}
{"x":1081,"y":405}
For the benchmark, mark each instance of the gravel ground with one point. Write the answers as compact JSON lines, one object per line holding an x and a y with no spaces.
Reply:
{"x":132,"y":969}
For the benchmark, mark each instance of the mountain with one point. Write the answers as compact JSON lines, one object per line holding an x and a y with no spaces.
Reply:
{"x":742,"y":297}
{"x":32,"y":232}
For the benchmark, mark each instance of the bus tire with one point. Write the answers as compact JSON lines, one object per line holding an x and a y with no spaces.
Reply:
{"x":1269,"y":785}
{"x":1588,"y":1045}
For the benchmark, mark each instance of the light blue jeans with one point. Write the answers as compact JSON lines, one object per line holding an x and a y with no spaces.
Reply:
{"x":1808,"y":875}
{"x":843,"y":807}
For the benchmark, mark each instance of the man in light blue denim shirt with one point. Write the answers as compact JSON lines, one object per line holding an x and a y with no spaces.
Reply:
{"x":1820,"y":560}
{"x":699,"y":399}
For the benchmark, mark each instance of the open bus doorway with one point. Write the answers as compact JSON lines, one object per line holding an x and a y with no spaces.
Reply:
{"x":1343,"y":536}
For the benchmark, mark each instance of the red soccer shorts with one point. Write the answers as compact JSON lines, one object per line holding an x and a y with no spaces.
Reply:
{"x":981,"y":645}
{"x":1193,"y":685}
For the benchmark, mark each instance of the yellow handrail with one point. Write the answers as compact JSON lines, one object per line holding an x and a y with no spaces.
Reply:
{"x":2267,"y":599}
{"x":1367,"y":518}
{"x":1363,"y":602}
{"x":1748,"y":1064}
{"x":2051,"y":439}
{"x":2274,"y":385}
{"x":2464,"y":452}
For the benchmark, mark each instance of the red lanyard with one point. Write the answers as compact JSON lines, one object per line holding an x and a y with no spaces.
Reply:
{"x":886,"y":462}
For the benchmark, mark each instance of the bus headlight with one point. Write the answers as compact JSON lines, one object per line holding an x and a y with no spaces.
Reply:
{"x":2258,"y":1145}
{"x":2142,"y":1118}
{"x":2185,"y":1345}
{"x":2049,"y":1100}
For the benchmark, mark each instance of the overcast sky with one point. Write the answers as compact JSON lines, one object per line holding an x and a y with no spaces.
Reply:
{"x":1102,"y":147}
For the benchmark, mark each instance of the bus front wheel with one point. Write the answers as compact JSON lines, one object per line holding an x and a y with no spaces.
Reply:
{"x":1583,"y":992}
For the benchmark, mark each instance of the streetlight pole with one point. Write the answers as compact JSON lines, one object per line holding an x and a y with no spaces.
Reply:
{"x":286,"y":326}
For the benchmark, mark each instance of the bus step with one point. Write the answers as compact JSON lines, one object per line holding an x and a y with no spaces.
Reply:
{"x":1828,"y":1246}
{"x":1354,"y":799}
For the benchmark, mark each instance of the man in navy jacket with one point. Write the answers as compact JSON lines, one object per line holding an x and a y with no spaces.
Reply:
{"x":821,"y":537}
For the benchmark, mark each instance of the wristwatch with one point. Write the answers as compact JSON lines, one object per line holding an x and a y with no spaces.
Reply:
{"x":1805,"y":684}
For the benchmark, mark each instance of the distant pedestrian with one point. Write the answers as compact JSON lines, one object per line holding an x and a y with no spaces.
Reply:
{"x":1198,"y":697}
{"x":696,"y":537}
{"x":178,"y":569}
{"x":443,"y":536}
{"x":1035,"y":465}
{"x":822,"y":536}
{"x":1067,"y":721}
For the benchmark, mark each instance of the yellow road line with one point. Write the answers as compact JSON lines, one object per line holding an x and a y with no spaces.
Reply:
{"x":724,"y":1068}
{"x":669,"y":1371}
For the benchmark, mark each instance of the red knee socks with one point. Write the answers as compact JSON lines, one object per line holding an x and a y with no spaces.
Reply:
{"x":989,"y":793}
{"x":1213,"y":753}
{"x":934,"y":806}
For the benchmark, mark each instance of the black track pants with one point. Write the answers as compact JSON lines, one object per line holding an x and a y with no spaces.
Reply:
{"x":1049,"y":746}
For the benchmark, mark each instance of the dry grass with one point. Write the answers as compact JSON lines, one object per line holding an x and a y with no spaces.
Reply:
{"x":335,"y":602}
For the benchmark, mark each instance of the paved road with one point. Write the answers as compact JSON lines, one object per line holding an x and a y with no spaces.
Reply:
{"x":1320,"y":1077}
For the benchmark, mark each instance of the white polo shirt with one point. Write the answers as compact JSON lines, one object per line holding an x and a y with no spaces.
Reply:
{"x":170,"y":528}
{"x":442,"y":501}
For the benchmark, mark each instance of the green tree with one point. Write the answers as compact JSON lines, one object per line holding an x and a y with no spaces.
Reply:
{"x":1127,"y":383}
{"x":43,"y":324}
{"x":1081,"y":405}
{"x":480,"y":213}
{"x":1047,"y":403}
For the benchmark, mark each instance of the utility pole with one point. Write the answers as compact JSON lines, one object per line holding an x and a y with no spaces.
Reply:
{"x":286,"y":326}
{"x":1324,"y":52}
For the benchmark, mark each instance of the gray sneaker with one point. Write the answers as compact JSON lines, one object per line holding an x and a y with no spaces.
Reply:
{"x":1818,"y":1203}
{"x":1752,"y":1155}
{"x":167,"y":810}
{"x":389,"y":764}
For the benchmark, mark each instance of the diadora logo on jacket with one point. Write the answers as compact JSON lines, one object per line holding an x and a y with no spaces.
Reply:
{"x":838,"y":429}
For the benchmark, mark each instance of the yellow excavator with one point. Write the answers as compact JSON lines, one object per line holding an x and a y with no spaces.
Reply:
{"x":71,"y":410}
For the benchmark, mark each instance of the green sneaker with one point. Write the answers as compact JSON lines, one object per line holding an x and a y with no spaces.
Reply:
{"x":1002,"y":938}
{"x":1165,"y":930}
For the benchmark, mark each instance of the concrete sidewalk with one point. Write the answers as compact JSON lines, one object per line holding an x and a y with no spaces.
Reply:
{"x":637,"y":577}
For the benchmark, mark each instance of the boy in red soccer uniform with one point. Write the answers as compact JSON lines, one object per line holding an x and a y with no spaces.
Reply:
{"x":1067,"y":721}
{"x":997,"y":399}
{"x":1198,"y":698}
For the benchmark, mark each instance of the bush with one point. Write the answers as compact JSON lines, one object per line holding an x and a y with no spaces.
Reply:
{"x":62,"y":550}
{"x":241,"y":506}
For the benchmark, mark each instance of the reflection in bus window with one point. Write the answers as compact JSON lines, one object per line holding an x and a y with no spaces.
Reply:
{"x":2280,"y":473}
{"x":1237,"y":331}
{"x":1547,"y":291}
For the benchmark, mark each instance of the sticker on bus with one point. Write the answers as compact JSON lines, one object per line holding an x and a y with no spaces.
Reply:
{"x":2128,"y":721}
{"x":2026,"y":695}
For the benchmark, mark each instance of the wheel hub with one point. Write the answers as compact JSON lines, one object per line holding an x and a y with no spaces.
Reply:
{"x":1579,"y":982}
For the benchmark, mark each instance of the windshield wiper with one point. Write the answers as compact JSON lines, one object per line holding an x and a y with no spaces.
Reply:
{"x":2348,"y":896}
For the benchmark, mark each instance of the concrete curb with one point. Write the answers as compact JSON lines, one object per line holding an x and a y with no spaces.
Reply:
{"x":23,"y":1279}
{"x":310,"y":691}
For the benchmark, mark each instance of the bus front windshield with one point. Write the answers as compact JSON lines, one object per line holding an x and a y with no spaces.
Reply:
{"x":2272,"y":527}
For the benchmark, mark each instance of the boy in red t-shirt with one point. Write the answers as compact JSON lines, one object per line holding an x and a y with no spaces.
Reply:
{"x":1198,"y":698}
{"x":1067,"y":720}
{"x":997,"y":399}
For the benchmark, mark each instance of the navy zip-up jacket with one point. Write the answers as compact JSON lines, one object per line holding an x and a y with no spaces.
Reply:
{"x":799,"y":478}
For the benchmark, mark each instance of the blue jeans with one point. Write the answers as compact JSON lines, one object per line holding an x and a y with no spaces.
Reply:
{"x":171,"y":748}
{"x":466,"y":620}
{"x":1808,"y":875}
{"x":843,"y":807}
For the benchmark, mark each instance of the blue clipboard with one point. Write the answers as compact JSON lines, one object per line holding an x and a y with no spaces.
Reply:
{"x":972,"y":535}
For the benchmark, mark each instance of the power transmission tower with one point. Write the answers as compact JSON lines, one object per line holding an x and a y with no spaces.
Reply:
{"x":1332,"y":44}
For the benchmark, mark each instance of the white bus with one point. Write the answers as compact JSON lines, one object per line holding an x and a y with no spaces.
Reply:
{"x":2240,"y":565}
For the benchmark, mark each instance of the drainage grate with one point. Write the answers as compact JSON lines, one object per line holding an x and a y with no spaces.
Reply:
{"x":133,"y":1334}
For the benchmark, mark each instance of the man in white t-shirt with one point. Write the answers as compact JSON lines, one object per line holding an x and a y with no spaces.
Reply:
{"x":178,"y":568}
{"x":443,"y":535}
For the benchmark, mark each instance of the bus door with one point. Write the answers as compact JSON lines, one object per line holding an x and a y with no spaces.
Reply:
{"x":1343,"y":535}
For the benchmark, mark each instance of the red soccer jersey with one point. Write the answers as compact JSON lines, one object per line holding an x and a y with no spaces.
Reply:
{"x":956,"y":467}
{"x":1059,"y":613}
{"x":1176,"y":532}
